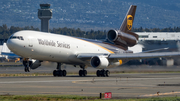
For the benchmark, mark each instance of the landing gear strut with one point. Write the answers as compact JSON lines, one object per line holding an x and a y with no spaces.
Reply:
{"x":103,"y":73}
{"x":59,"y":72}
{"x":82,"y":72}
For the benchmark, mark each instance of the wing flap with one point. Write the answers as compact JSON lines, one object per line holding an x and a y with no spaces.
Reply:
{"x":90,"y":55}
{"x":155,"y":50}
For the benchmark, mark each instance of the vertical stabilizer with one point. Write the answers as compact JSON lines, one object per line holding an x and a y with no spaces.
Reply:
{"x":128,"y":20}
{"x":5,"y":49}
{"x":124,"y":37}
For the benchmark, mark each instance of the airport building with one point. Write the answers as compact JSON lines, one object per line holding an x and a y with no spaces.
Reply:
{"x":158,"y":41}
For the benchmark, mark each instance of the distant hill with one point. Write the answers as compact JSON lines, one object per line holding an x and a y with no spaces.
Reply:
{"x":91,"y":14}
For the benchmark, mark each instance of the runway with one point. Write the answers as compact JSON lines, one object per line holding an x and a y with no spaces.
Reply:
{"x":121,"y":85}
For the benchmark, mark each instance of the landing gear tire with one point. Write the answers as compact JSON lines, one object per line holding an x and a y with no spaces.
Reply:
{"x":98,"y":73}
{"x":107,"y":73}
{"x":54,"y":73}
{"x":103,"y":73}
{"x":82,"y":73}
{"x":64,"y":73}
{"x":59,"y":73}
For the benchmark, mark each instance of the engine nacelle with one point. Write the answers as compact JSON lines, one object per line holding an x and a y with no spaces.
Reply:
{"x":122,"y":38}
{"x":99,"y":62}
{"x":33,"y":64}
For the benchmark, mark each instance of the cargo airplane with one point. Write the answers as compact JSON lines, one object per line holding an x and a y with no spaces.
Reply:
{"x":35,"y":47}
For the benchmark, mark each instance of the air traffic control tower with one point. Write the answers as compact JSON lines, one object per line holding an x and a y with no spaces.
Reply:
{"x":45,"y":14}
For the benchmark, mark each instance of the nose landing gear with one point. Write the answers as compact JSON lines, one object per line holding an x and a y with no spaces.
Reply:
{"x":26,"y":65}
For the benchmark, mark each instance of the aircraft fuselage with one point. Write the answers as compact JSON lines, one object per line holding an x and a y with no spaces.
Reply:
{"x":57,"y":48}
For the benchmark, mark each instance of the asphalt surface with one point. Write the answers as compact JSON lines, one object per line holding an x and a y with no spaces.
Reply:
{"x":121,"y":85}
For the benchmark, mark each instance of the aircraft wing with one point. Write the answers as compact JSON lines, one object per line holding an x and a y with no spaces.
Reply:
{"x":131,"y":55}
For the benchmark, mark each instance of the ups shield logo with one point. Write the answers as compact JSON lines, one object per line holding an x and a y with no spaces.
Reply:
{"x":129,"y":22}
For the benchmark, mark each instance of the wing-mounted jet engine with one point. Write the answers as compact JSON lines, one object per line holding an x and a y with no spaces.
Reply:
{"x":124,"y":37}
{"x":31,"y":64}
{"x":99,"y":62}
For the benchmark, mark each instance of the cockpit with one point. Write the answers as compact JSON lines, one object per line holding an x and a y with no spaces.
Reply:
{"x":17,"y":37}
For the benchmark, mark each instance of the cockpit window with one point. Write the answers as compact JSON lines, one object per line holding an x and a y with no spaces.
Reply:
{"x":17,"y":37}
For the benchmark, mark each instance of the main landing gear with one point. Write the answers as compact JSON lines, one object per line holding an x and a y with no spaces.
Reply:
{"x":59,"y":72}
{"x":82,"y":72}
{"x":103,"y":73}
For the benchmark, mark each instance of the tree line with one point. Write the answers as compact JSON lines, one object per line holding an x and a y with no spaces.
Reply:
{"x":5,"y":32}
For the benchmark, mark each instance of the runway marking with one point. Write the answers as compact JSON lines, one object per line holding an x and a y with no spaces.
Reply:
{"x":159,"y":94}
{"x":49,"y":81}
{"x":76,"y":81}
{"x":73,"y":87}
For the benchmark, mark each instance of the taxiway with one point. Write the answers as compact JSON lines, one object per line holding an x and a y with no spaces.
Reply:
{"x":121,"y":85}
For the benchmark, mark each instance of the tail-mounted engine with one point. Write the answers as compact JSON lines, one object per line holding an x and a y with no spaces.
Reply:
{"x":99,"y":62}
{"x":127,"y":39}
{"x":124,"y":37}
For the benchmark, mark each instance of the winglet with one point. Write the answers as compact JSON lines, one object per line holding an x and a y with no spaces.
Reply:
{"x":128,"y":20}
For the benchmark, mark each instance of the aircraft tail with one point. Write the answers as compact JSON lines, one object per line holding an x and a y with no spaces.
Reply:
{"x":129,"y":19}
{"x":124,"y":37}
{"x":5,"y":51}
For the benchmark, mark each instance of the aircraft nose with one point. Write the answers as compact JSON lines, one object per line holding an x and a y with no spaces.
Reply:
{"x":12,"y":44}
{"x":9,"y":44}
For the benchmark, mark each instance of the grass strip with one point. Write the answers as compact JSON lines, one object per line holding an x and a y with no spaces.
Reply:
{"x":45,"y":98}
{"x":76,"y":98}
